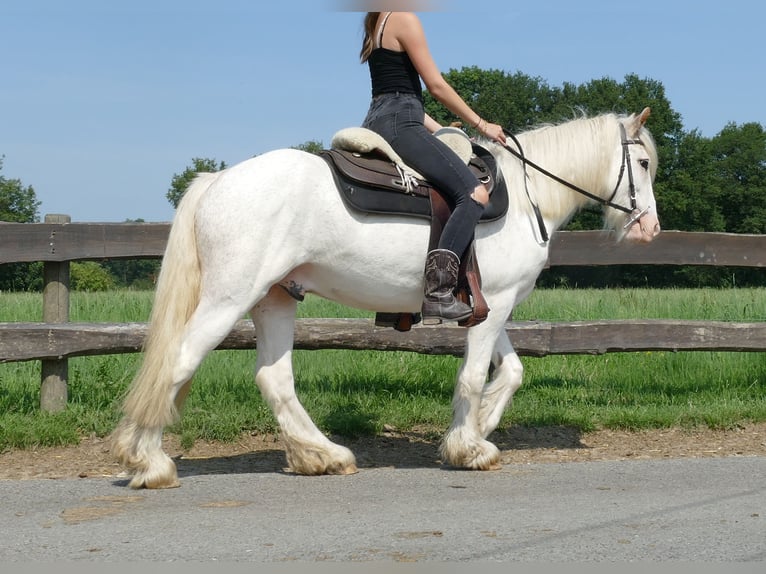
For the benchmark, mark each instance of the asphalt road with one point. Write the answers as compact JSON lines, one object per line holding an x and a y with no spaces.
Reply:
{"x":702,"y":510}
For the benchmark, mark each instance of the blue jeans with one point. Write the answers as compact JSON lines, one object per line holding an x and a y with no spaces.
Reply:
{"x":398,"y":118}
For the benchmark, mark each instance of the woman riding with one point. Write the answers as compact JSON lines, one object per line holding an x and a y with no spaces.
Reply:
{"x":397,"y":53}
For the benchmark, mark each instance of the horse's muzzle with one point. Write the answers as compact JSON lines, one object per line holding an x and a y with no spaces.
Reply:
{"x":644,"y":228}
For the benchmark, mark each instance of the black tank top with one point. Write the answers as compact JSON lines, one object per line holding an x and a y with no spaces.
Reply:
{"x":392,"y":71}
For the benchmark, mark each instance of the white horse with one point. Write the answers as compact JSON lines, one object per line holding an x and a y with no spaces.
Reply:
{"x":277,"y":220}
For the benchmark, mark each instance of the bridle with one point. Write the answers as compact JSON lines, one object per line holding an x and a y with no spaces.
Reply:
{"x":632,"y":211}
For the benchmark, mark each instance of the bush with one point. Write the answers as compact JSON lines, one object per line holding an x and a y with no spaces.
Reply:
{"x":90,"y":276}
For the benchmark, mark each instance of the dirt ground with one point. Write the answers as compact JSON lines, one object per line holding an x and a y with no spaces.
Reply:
{"x":419,"y":448}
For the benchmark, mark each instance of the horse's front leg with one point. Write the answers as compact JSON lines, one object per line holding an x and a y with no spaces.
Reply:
{"x":465,"y":445}
{"x":308,"y":450}
{"x":506,"y":380}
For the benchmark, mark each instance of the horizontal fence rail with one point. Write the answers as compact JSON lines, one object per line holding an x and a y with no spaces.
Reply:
{"x":26,"y":242}
{"x":57,"y":242}
{"x":35,"y":341}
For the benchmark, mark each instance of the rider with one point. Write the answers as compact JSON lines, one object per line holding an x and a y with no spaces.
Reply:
{"x":397,"y":53}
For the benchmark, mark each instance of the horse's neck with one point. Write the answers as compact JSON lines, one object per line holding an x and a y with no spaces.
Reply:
{"x":571,"y":151}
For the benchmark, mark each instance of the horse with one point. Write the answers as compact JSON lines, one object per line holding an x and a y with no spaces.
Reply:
{"x":252,"y":238}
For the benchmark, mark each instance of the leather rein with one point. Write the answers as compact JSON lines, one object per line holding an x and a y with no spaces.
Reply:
{"x":631,"y":211}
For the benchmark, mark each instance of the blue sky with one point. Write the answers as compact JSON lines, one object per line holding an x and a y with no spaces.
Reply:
{"x":101,"y":102}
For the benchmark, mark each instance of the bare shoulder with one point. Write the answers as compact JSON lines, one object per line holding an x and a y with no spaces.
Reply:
{"x":405,"y":20}
{"x":406,"y":28}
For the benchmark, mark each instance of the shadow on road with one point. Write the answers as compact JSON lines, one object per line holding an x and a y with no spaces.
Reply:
{"x":391,"y":450}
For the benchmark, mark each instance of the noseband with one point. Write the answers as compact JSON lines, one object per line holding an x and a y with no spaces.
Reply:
{"x":632,"y":211}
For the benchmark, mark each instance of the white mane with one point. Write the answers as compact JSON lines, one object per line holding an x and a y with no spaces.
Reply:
{"x":563,"y":150}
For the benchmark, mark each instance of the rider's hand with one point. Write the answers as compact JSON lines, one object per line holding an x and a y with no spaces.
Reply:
{"x":492,"y":131}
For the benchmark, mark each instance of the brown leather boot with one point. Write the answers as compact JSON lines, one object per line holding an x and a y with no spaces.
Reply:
{"x":440,"y":303}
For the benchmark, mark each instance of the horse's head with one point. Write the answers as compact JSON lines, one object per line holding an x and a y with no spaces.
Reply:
{"x":636,"y":218}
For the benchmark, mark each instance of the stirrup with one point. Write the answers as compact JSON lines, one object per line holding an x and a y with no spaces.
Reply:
{"x":437,"y":318}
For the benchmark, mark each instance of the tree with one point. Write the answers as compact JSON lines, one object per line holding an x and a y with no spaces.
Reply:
{"x":18,"y":204}
{"x":688,"y":196}
{"x":135,"y":273}
{"x":180,"y":182}
{"x":310,"y":146}
{"x":738,"y":154}
{"x":515,"y":101}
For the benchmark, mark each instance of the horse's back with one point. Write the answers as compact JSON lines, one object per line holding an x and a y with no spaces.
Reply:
{"x":263,"y":173}
{"x":259,"y":188}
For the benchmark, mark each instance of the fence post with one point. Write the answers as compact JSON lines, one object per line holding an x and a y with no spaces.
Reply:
{"x":53,"y":390}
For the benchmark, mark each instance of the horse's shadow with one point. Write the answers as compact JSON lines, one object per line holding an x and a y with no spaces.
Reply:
{"x":389,"y":450}
{"x":528,"y":438}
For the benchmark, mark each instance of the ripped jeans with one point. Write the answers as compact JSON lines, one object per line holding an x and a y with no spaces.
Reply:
{"x":398,"y":118}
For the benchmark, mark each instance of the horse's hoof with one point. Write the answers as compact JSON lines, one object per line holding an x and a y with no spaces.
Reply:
{"x":153,"y":483}
{"x":482,"y":455}
{"x":311,"y":460}
{"x":161,"y":474}
{"x":348,"y":469}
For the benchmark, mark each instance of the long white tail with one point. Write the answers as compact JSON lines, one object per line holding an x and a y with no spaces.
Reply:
{"x":149,"y":402}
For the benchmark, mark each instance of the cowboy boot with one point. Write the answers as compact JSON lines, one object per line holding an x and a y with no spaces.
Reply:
{"x":440,"y":281}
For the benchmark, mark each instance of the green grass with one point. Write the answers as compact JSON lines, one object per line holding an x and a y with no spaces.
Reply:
{"x":355,"y":393}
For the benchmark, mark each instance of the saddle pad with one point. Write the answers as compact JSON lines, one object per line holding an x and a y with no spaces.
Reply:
{"x":372,"y":184}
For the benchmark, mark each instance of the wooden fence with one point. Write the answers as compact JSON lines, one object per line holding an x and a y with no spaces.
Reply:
{"x":57,"y":242}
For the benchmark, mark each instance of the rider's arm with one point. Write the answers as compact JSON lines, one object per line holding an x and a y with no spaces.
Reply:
{"x":410,"y":35}
{"x":431,"y":124}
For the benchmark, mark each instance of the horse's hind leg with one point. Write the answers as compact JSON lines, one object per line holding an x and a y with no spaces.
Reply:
{"x":308,"y":450}
{"x":138,"y":439}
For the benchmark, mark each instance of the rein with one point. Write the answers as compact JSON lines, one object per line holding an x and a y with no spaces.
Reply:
{"x":631,"y":211}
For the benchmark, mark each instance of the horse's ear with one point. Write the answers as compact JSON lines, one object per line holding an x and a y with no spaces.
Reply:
{"x":638,"y":121}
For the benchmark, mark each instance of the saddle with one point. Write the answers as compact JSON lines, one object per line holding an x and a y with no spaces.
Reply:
{"x":371,"y":178}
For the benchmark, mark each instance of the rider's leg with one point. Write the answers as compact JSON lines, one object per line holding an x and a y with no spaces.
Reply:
{"x":400,"y":121}
{"x":442,"y":264}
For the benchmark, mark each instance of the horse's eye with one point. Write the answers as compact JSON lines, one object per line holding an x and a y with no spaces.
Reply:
{"x":644,"y":163}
